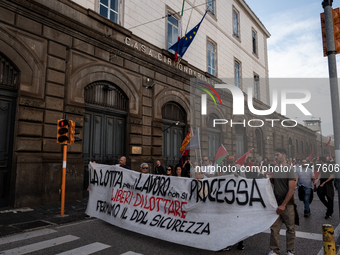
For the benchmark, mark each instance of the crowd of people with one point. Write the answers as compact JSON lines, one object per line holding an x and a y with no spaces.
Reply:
{"x":306,"y":175}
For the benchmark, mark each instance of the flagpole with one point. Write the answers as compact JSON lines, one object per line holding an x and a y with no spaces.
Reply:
{"x":195,"y":149}
{"x":179,"y":30}
{"x":199,"y":142}
{"x":186,"y":30}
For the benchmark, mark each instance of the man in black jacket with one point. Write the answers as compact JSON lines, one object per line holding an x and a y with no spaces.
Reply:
{"x":159,"y":169}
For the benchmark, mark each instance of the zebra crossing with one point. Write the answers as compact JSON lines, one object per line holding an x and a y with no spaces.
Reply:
{"x":39,"y":246}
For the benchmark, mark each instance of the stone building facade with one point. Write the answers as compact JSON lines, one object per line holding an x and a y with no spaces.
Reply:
{"x":58,"y":59}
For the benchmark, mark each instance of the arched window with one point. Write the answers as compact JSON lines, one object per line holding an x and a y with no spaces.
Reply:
{"x":282,"y":142}
{"x":174,"y":121}
{"x":297,"y":146}
{"x":171,"y":111}
{"x":105,"y":94}
{"x":214,"y":136}
{"x":290,"y":148}
{"x":307,"y":149}
{"x":259,"y":142}
{"x":301,"y":146}
{"x":240,"y":140}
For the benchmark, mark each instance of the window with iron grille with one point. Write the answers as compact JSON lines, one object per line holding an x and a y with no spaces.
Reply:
{"x":174,"y":119}
{"x":105,"y":94}
{"x":171,"y":111}
{"x":8,"y":73}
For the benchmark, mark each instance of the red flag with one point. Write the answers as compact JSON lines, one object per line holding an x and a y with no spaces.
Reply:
{"x":220,"y":155}
{"x":310,"y":155}
{"x":329,"y":141}
{"x":185,"y":142}
{"x":317,"y":156}
{"x":243,"y":158}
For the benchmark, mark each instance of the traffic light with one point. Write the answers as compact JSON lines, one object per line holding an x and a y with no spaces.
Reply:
{"x":74,"y":131}
{"x":336,"y":29}
{"x":62,"y":131}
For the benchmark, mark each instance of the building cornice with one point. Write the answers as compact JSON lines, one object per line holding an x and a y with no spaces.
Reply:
{"x":253,"y":16}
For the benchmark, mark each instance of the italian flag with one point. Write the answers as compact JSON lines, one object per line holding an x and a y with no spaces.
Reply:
{"x":180,"y":29}
{"x":220,"y":155}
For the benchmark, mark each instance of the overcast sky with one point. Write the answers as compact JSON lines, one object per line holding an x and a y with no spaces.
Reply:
{"x":295,"y":50}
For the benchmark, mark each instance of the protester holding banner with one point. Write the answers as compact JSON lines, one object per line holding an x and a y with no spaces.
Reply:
{"x":195,"y":212}
{"x":144,"y":168}
{"x":159,"y":169}
{"x":122,"y":162}
{"x":207,"y":168}
{"x":178,"y":171}
{"x":193,"y":169}
{"x":198,"y":174}
{"x":284,"y":185}
{"x":170,"y":171}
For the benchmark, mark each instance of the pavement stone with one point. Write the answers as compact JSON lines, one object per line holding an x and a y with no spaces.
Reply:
{"x":16,"y":221}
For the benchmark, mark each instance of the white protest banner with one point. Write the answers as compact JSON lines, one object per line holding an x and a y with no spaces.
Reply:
{"x":208,"y":214}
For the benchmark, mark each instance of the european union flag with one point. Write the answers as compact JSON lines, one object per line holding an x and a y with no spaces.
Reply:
{"x":183,"y":44}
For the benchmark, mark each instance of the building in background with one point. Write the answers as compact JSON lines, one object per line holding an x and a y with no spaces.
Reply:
{"x":106,"y":64}
{"x":324,"y":145}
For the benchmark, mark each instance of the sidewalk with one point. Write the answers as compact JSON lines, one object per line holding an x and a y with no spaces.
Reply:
{"x":25,"y":219}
